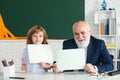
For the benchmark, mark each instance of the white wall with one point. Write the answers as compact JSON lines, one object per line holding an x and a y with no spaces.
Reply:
{"x":12,"y":49}
{"x":92,"y":6}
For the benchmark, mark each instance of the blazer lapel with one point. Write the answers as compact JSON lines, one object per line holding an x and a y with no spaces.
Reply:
{"x":89,"y":50}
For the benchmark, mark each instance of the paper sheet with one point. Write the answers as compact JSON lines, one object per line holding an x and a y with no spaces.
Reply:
{"x":38,"y":53}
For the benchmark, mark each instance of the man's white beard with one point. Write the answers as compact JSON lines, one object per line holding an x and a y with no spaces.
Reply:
{"x":82,"y":45}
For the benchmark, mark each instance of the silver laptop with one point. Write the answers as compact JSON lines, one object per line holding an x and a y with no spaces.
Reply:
{"x":71,"y":59}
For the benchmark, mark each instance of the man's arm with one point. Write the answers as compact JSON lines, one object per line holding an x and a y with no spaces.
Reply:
{"x":106,"y":60}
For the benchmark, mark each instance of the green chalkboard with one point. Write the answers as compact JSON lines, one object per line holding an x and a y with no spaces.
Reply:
{"x":56,"y":16}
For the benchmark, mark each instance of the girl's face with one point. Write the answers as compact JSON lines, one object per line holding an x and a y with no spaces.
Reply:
{"x":37,"y":38}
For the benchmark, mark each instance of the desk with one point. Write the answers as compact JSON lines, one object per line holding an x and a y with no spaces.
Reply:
{"x":61,"y":76}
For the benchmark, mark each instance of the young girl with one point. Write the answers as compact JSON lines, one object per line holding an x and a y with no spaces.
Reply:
{"x":36,"y":35}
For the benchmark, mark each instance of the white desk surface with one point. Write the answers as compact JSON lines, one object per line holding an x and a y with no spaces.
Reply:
{"x":61,"y":76}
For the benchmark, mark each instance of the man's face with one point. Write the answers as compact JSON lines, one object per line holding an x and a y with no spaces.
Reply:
{"x":81,"y":33}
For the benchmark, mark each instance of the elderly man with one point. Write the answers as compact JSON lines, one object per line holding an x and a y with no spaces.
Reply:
{"x":97,"y":55}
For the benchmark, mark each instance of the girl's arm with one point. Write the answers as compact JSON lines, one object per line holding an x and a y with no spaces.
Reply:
{"x":24,"y":66}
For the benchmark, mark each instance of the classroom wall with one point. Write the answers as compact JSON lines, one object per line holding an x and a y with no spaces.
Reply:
{"x":12,"y":49}
{"x":92,"y":6}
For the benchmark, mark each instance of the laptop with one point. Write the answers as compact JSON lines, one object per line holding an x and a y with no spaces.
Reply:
{"x":38,"y":53}
{"x":71,"y":59}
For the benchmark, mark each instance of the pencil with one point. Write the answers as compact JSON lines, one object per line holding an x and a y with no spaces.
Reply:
{"x":17,"y":77}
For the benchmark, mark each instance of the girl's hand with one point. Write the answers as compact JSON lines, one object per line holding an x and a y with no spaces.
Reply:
{"x":45,"y":65}
{"x":24,"y":67}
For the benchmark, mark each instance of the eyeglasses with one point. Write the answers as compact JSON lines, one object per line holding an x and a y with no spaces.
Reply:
{"x":98,"y":76}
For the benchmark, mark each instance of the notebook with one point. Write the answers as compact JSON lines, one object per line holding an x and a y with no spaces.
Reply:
{"x":71,"y":59}
{"x":38,"y":53}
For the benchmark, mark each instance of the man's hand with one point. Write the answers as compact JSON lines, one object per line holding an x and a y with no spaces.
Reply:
{"x":55,"y":69}
{"x":90,"y":68}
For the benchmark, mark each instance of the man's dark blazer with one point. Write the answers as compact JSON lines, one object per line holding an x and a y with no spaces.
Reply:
{"x":97,"y":53}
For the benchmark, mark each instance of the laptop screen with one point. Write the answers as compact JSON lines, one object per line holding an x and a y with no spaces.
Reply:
{"x":71,"y":59}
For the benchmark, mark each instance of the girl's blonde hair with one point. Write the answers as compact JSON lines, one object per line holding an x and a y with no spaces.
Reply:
{"x":36,"y":29}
